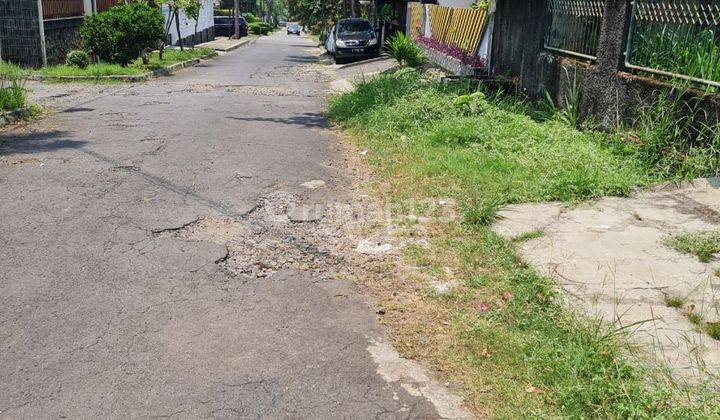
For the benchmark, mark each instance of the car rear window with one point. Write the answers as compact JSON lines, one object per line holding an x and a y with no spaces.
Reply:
{"x":354,"y":26}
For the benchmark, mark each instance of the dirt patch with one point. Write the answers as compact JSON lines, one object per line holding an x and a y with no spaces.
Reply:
{"x":610,"y":257}
{"x":12,"y":161}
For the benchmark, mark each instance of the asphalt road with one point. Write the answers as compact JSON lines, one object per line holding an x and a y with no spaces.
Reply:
{"x":105,"y":315}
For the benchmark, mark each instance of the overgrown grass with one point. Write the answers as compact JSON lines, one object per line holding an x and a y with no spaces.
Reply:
{"x":487,"y":158}
{"x":672,"y":138}
{"x":515,"y":344}
{"x":703,"y":245}
{"x":679,"y":49}
{"x":170,"y":56}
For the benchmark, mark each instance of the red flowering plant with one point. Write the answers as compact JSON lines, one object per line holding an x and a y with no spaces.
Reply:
{"x":452,"y":51}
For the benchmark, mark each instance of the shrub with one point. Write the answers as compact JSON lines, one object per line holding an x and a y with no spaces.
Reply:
{"x":251,"y":18}
{"x":404,"y":50}
{"x":78,"y":58}
{"x":259,"y":28}
{"x":120,"y":34}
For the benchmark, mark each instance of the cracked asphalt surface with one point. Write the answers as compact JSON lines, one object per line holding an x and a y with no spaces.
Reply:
{"x":105,"y":315}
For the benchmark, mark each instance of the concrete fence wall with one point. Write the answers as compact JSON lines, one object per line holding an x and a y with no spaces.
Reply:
{"x":61,"y":36}
{"x":21,"y":32}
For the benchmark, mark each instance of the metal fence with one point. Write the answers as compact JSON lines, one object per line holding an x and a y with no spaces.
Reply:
{"x":56,"y":9}
{"x":573,"y":27}
{"x":679,"y":39}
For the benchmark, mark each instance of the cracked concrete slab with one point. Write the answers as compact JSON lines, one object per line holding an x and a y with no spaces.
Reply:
{"x":149,"y":265}
{"x":609,"y":256}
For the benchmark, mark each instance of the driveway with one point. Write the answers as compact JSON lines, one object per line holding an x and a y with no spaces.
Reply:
{"x":149,"y":269}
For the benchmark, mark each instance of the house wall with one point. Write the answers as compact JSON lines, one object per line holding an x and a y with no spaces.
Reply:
{"x":20,"y":32}
{"x":456,"y":3}
{"x":205,"y":28}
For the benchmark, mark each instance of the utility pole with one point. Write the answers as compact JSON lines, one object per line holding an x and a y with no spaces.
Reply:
{"x":237,"y":19}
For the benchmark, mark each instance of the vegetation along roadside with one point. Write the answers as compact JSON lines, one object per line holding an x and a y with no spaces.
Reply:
{"x":512,"y":342}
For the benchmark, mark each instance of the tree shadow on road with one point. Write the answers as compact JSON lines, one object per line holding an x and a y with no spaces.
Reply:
{"x":313,"y":120}
{"x":37,"y":142}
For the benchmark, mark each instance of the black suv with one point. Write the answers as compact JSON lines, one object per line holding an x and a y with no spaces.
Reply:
{"x":225,"y":26}
{"x":354,"y":38}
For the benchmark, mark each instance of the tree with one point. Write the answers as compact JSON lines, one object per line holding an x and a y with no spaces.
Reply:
{"x":317,"y":15}
{"x":192,"y":10}
{"x":236,"y":16}
{"x":174,"y":8}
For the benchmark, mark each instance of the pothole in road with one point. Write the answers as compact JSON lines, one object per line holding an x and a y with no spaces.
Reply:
{"x":263,"y":242}
{"x":285,"y":233}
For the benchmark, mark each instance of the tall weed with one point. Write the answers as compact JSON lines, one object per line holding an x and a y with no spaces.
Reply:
{"x":405,"y":51}
{"x":678,"y":49}
{"x":673,"y":139}
{"x":12,"y":92}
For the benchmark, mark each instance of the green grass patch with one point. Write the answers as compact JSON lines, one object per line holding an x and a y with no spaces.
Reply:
{"x":516,"y":346}
{"x":713,"y":330}
{"x":170,"y":57}
{"x":527,"y":236}
{"x":695,"y":317}
{"x":674,"y":302}
{"x":703,"y":245}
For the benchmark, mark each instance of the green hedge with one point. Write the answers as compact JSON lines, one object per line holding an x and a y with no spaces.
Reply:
{"x":260,"y":28}
{"x":120,"y":34}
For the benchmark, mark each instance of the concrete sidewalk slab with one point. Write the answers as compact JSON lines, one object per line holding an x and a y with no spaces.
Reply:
{"x":609,"y":258}
{"x":227,"y":44}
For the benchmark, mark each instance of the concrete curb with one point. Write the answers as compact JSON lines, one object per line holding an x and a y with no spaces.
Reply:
{"x":165,"y":71}
{"x":9,"y":117}
{"x":361,"y":62}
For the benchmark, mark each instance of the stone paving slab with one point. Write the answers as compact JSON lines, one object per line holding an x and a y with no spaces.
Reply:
{"x":608,"y":256}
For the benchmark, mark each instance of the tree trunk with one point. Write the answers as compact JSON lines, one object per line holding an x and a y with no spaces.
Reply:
{"x":161,"y":47}
{"x":177,"y":28}
{"x":236,"y":11}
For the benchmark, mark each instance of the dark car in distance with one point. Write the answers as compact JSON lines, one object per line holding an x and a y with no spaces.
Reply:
{"x":293,"y":29}
{"x":352,"y":38}
{"x":225,"y":26}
